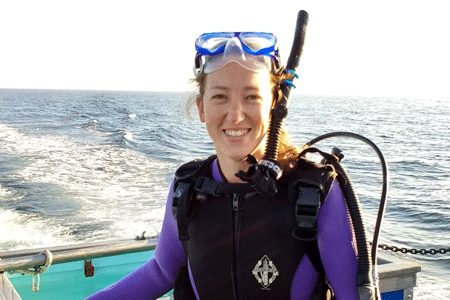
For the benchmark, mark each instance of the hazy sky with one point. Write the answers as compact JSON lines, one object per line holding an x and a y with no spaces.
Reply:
{"x":398,"y":48}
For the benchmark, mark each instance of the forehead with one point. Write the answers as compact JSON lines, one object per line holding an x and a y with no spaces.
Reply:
{"x":235,"y":76}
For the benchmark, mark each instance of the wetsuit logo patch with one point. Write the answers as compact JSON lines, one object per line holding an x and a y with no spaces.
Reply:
{"x":265,"y":272}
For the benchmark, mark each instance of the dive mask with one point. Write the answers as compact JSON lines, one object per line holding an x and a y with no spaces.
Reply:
{"x":255,"y":51}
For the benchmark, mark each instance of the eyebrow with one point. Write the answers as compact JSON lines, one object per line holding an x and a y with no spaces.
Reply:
{"x":251,"y":88}
{"x":247,"y":88}
{"x":219,"y":87}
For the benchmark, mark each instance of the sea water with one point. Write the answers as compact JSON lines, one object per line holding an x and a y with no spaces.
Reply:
{"x":80,"y":166}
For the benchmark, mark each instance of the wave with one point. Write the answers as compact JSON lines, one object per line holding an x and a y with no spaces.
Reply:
{"x":24,"y":231}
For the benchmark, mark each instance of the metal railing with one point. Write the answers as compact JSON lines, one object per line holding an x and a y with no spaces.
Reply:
{"x":33,"y":258}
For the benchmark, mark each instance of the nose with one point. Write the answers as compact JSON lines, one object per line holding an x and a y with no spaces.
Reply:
{"x":236,"y":111}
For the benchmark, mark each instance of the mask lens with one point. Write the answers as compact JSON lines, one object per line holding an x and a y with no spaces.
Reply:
{"x":212,"y":43}
{"x":259,"y":41}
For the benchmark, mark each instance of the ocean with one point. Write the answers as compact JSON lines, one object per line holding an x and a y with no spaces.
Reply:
{"x":81,"y":166}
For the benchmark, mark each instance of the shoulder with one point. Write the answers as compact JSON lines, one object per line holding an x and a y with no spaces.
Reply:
{"x":311,"y":172}
{"x":308,"y":174}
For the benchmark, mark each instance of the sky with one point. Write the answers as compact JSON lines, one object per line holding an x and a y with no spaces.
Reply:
{"x":368,"y":48}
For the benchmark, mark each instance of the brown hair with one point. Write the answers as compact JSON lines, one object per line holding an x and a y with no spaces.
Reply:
{"x":287,"y":151}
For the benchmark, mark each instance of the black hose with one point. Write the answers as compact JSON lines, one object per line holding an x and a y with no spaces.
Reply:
{"x":365,"y":260}
{"x":352,"y":200}
{"x":385,"y":184}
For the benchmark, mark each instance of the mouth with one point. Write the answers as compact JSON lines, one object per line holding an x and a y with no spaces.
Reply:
{"x":236,"y":133}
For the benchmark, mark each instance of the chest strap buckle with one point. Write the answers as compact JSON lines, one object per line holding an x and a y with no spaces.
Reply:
{"x":204,"y":186}
{"x":306,"y":211}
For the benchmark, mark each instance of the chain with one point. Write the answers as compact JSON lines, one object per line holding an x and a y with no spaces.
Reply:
{"x":414,"y":251}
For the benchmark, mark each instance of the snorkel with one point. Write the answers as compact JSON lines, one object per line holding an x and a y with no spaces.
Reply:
{"x":279,"y":112}
{"x":263,"y":176}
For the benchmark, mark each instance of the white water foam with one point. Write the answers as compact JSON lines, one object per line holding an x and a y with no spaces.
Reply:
{"x":22,"y":231}
{"x":122,"y":188}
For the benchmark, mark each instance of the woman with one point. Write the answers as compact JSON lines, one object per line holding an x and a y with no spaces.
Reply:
{"x":235,"y":243}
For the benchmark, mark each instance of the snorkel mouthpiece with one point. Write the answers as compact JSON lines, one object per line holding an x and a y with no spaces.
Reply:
{"x":262,"y":176}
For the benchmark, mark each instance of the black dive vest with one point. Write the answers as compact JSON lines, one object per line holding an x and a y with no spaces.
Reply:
{"x":241,"y":245}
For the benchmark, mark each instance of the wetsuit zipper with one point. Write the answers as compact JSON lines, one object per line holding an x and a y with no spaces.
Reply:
{"x":236,"y":220}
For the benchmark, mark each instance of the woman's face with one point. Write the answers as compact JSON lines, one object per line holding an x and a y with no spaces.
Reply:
{"x":236,"y":109}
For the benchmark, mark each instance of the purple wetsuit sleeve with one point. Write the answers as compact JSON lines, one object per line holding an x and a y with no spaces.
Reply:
{"x":336,"y":245}
{"x":157,"y":276}
{"x":304,"y":280}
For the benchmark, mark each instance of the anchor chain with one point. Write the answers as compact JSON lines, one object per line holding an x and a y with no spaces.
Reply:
{"x":414,"y":251}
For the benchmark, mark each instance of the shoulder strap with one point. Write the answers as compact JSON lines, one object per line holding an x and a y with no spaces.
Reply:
{"x":308,"y":188}
{"x":185,"y":178}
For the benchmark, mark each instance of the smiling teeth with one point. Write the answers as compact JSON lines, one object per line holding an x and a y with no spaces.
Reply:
{"x":236,"y":132}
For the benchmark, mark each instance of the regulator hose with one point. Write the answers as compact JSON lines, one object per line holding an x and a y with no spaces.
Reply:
{"x":366,"y":273}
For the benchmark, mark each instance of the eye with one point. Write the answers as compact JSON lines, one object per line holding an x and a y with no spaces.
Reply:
{"x":220,"y":97}
{"x":253,"y":98}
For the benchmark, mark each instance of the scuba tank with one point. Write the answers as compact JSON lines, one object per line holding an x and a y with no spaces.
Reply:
{"x":263,"y":176}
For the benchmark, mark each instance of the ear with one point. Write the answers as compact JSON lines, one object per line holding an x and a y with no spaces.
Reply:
{"x":201,"y":110}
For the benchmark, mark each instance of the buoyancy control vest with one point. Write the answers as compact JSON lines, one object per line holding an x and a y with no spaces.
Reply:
{"x":241,"y":245}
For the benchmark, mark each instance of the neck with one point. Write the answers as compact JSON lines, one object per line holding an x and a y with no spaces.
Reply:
{"x":230,"y":167}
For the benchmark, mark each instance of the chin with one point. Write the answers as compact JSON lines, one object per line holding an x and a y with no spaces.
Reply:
{"x":233,"y":155}
{"x":238,"y":158}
